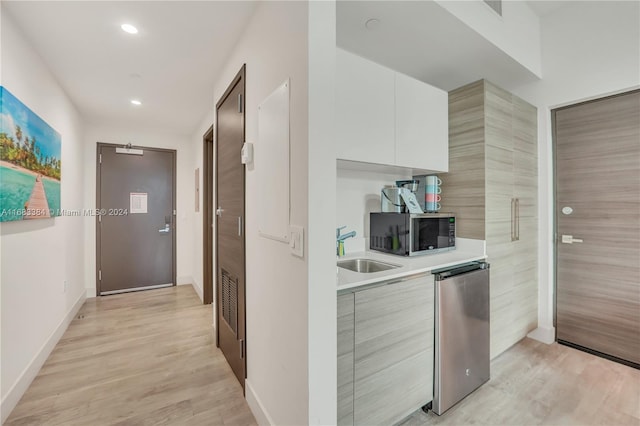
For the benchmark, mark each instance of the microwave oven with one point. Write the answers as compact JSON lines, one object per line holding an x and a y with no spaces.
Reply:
{"x":408,"y":234}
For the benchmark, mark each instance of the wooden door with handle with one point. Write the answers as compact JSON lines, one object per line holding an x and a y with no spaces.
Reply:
{"x":230,"y":240}
{"x":597,"y":147}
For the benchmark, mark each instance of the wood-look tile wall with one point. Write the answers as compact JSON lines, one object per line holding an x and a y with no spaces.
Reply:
{"x":493,"y":160}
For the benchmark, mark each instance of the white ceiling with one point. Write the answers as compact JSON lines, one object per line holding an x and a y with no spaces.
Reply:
{"x":423,"y":40}
{"x":171,"y":65}
{"x":543,"y":8}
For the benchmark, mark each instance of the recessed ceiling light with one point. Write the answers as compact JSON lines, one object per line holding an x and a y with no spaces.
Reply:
{"x":372,"y":24}
{"x":136,"y":102}
{"x":128,"y":28}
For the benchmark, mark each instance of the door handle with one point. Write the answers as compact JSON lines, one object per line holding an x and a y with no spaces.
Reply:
{"x":219,"y":211}
{"x":513,"y":219}
{"x":568,"y":239}
{"x":166,"y":229}
{"x":517,"y":219}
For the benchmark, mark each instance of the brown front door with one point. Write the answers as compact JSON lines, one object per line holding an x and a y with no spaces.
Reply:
{"x":136,"y":227}
{"x":597,"y":147}
{"x":230,"y":248}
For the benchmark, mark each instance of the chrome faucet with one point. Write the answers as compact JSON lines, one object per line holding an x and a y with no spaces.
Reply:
{"x":340,"y":240}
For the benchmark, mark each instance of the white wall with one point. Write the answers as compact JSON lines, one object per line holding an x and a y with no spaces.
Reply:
{"x":322,"y":339}
{"x":39,"y":256}
{"x":274,"y":48}
{"x":516,"y":32}
{"x":589,"y":50}
{"x":358,"y":194}
{"x":185,"y":193}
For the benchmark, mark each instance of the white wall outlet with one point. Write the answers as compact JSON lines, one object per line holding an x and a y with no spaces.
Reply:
{"x":66,"y":286}
{"x":296,"y":240}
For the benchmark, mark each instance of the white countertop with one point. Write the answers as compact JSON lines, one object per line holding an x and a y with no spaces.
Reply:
{"x":347,"y":279}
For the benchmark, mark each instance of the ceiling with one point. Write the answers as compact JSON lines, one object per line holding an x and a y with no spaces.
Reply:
{"x":171,"y":65}
{"x":423,"y":40}
{"x":543,"y":8}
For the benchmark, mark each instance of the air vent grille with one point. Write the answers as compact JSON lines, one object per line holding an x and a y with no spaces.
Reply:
{"x":496,"y":5}
{"x":229,"y":301}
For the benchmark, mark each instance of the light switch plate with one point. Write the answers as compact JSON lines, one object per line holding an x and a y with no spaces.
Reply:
{"x":296,"y":240}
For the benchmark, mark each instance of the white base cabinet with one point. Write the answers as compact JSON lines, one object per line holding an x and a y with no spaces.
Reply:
{"x":392,"y":351}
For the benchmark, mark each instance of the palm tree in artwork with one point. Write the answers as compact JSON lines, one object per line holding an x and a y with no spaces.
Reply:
{"x":19,"y":135}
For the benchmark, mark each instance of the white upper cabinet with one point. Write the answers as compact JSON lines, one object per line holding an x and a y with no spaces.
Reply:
{"x":422,"y":125}
{"x":384,"y":117}
{"x":364,"y":110}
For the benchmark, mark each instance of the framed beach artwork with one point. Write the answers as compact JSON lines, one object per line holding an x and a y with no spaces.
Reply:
{"x":29,"y":163}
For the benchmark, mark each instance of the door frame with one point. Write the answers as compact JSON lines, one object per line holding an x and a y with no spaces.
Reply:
{"x":207,"y":216}
{"x":241,"y":75}
{"x":173,"y":153}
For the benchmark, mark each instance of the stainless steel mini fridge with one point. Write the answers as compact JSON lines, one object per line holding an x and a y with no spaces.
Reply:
{"x":462,"y":333}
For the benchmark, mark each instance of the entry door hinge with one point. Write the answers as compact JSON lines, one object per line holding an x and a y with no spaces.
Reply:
{"x":99,"y":217}
{"x":100,"y":158}
{"x":241,"y":348}
{"x":239,"y":102}
{"x":100,"y":275}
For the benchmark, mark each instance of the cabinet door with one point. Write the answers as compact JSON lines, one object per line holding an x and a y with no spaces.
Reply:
{"x":394,"y":332}
{"x":364,"y":110}
{"x":499,"y":213}
{"x":345,"y":359}
{"x":422,"y":129}
{"x":525,"y":190}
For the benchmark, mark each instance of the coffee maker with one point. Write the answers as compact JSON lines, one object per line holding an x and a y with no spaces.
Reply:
{"x":400,"y":198}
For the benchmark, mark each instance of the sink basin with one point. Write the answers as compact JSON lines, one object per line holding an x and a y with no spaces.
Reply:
{"x":366,"y":265}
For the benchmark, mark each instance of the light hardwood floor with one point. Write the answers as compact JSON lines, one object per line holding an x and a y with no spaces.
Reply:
{"x":146,"y":358}
{"x":537,"y":384}
{"x":149,"y":358}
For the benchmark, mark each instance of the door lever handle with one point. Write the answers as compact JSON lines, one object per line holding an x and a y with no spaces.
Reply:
{"x":568,"y":239}
{"x":165,"y":230}
{"x":219,"y":211}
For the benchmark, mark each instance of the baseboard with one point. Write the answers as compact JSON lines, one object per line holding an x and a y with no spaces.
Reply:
{"x":544,"y":335}
{"x":21,"y":385}
{"x":258,"y":410}
{"x":91,"y":292}
{"x":198,"y":290}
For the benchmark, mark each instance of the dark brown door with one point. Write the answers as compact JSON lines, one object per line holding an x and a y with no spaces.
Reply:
{"x":230,"y":248}
{"x":136,"y":227}
{"x":597,"y":147}
{"x":207,"y":215}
